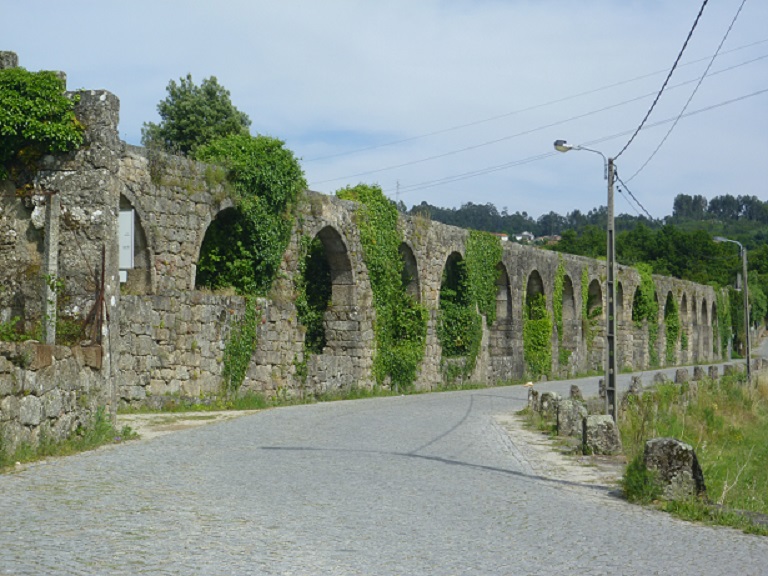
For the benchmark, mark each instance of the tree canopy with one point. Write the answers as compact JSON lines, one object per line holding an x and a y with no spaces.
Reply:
{"x":36,"y":118}
{"x":192,"y":116}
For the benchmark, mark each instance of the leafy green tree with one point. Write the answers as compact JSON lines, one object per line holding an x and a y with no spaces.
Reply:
{"x":192,"y":116}
{"x":36,"y":118}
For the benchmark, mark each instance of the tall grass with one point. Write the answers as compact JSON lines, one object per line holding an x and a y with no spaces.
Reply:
{"x":726,"y":422}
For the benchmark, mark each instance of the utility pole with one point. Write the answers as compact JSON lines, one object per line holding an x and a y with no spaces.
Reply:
{"x":611,"y":405}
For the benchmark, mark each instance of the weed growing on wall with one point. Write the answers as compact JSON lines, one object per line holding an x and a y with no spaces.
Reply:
{"x":557,"y":307}
{"x":646,"y":308}
{"x":240,"y":347}
{"x":36,"y":118}
{"x":537,"y":334}
{"x":587,"y":324}
{"x":401,"y":322}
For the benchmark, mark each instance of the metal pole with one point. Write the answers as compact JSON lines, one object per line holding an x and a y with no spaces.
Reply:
{"x":745,"y":293}
{"x":611,"y":405}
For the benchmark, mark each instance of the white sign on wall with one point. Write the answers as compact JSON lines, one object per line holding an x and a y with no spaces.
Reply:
{"x":125,"y":223}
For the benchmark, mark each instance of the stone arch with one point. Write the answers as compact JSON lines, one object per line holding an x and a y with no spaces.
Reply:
{"x":135,"y":255}
{"x":224,"y":220}
{"x":410,"y":273}
{"x":595,"y":307}
{"x":455,"y":326}
{"x":685,"y":328}
{"x":704,"y":327}
{"x":533,"y":288}
{"x":619,"y":303}
{"x":716,"y":344}
{"x":503,"y":296}
{"x":341,"y":276}
{"x":569,"y":338}
{"x":671,"y":339}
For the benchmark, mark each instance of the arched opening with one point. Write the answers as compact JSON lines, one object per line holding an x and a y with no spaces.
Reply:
{"x":459,"y":324}
{"x":537,"y":328}
{"x":619,"y":303}
{"x":706,"y":336}
{"x":567,"y":332}
{"x":503,"y":296}
{"x":671,"y":328}
{"x":325,"y":288}
{"x":716,"y":344}
{"x":685,"y":328}
{"x":410,"y":274}
{"x":134,"y":256}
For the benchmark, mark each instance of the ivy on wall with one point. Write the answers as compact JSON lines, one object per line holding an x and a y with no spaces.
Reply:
{"x":646,"y":308}
{"x":36,"y":118}
{"x":243,"y":248}
{"x":401,"y":322}
{"x":240,"y":347}
{"x":589,"y":319}
{"x":537,"y":335}
{"x":483,"y":256}
{"x":672,"y":330}
{"x":557,"y":307}
{"x":724,"y":320}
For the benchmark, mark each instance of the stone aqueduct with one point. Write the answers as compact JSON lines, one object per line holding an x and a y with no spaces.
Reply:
{"x":162,"y":336}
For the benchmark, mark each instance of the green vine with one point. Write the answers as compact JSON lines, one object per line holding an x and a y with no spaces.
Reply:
{"x":240,"y":347}
{"x":672,"y":330}
{"x":557,"y":307}
{"x":36,"y":118}
{"x":646,"y":308}
{"x":483,"y":256}
{"x":589,"y":318}
{"x":723,"y":318}
{"x":537,"y":335}
{"x":401,"y":322}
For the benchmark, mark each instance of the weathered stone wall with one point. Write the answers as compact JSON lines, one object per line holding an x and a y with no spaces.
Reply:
{"x":48,"y":391}
{"x":169,"y":338}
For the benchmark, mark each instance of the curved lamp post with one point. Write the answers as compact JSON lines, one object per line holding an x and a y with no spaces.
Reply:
{"x":747,"y":351}
{"x":611,"y":405}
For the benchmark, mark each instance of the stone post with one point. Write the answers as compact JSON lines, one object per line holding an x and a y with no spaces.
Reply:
{"x":51,"y":266}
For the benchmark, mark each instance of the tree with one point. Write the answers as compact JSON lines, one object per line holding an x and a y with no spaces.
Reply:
{"x":36,"y":118}
{"x":192,"y":116}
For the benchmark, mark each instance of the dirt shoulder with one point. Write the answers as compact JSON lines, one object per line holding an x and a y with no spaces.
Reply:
{"x":149,"y":426}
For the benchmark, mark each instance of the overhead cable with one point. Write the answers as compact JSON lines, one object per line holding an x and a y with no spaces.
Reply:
{"x":677,"y":60}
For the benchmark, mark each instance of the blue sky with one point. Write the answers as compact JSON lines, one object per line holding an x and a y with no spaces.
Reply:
{"x":446,"y":101}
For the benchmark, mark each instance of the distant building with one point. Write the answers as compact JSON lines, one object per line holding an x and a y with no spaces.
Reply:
{"x":525,"y":237}
{"x":503,"y":237}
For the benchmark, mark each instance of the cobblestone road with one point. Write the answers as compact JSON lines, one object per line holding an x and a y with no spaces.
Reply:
{"x":425,"y":484}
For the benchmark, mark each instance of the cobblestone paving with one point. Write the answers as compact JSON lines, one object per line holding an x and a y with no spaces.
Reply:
{"x":425,"y":484}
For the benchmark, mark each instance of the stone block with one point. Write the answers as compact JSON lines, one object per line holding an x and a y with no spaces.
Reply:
{"x":575,"y":393}
{"x":9,"y":408}
{"x":681,"y":376}
{"x":52,"y":404}
{"x":30,"y":411}
{"x":92,"y":356}
{"x":714,"y":373}
{"x":660,"y":378}
{"x":677,"y":467}
{"x":600,"y":435}
{"x":698,"y":373}
{"x":729,"y":369}
{"x":570,"y":414}
{"x":548,"y":405}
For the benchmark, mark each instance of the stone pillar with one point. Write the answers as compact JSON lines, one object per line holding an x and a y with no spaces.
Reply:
{"x":51,"y":266}
{"x":8,"y":60}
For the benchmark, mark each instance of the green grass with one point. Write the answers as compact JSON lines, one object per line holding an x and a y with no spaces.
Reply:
{"x":98,"y":433}
{"x":726,"y":422}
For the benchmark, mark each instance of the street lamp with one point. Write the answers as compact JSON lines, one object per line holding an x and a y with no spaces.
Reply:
{"x":611,"y":405}
{"x":745,"y":294}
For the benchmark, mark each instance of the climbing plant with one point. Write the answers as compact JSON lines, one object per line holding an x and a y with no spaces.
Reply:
{"x":537,"y":334}
{"x":646,"y":308}
{"x":36,"y":117}
{"x":724,"y":320}
{"x":313,"y":292}
{"x":482,"y":259}
{"x":672,"y":329}
{"x":557,"y":307}
{"x":589,"y":318}
{"x":245,"y":247}
{"x":401,"y":322}
{"x":240,"y":347}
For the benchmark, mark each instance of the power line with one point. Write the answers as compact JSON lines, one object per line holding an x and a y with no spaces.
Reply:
{"x":695,"y":89}
{"x":633,"y":196}
{"x":529,"y":131}
{"x":520,"y":111}
{"x":480,"y":172}
{"x":653,"y":105}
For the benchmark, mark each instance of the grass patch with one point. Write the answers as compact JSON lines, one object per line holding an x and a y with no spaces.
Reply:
{"x":98,"y":432}
{"x":726,"y":422}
